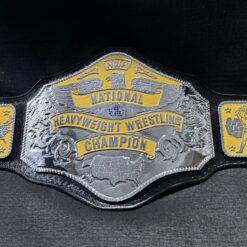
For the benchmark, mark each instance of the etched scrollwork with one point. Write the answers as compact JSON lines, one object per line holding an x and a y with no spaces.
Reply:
{"x":194,"y":127}
{"x":62,"y":148}
{"x":39,"y":114}
{"x":170,"y":146}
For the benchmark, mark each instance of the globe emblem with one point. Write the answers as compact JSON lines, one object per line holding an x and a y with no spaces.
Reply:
{"x":116,"y":110}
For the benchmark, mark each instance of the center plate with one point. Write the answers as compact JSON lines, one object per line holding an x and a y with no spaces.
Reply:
{"x":116,"y":126}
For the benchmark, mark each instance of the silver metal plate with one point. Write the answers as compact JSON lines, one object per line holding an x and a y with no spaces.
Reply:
{"x":116,"y":126}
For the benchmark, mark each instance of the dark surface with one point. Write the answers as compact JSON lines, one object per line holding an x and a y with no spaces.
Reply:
{"x":210,"y":214}
{"x":206,"y":39}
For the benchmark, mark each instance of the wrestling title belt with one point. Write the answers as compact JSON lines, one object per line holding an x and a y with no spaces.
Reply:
{"x":117,"y":133}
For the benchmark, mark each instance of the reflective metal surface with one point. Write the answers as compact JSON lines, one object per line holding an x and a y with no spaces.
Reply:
{"x":116,"y":126}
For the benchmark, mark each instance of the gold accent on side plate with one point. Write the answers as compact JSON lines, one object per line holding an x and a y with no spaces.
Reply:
{"x":7,"y":122}
{"x":233,"y":124}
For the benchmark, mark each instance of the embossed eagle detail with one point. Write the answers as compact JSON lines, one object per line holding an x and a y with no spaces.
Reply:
{"x":117,"y":80}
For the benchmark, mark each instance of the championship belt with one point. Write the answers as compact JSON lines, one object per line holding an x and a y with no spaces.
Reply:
{"x":117,"y":133}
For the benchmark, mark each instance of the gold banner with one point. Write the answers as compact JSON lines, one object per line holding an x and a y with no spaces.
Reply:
{"x":110,"y":126}
{"x":116,"y":95}
{"x":121,"y":141}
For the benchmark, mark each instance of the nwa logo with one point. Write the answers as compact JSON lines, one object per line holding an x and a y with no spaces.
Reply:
{"x":116,"y":126}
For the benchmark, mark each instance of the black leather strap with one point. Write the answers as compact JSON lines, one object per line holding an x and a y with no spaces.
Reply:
{"x":160,"y":187}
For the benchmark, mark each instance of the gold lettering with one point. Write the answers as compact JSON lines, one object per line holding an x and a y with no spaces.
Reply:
{"x":119,"y":141}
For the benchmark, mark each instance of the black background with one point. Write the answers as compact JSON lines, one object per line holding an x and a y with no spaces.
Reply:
{"x":206,"y":40}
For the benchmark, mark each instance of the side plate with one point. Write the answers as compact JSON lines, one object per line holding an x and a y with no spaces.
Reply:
{"x":233,"y":125}
{"x":7,"y":125}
